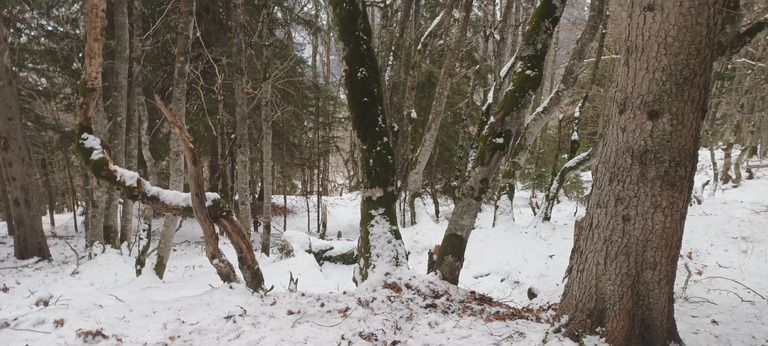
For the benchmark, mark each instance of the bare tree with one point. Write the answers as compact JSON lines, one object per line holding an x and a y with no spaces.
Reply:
{"x":243,"y":156}
{"x":178,"y":106}
{"x":497,"y":137}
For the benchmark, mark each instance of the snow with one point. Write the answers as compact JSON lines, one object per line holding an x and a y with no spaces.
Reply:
{"x":724,"y":248}
{"x":507,"y":67}
{"x":430,"y":29}
{"x":92,"y":142}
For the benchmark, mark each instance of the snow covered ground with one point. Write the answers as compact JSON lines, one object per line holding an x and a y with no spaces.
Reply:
{"x":720,"y":291}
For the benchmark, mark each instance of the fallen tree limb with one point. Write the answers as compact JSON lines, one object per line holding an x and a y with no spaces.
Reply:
{"x":133,"y":187}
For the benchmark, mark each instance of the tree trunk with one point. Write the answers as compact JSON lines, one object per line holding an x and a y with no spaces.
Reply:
{"x":178,"y":106}
{"x":266,"y":138}
{"x":91,"y":108}
{"x":120,"y":110}
{"x":623,"y":263}
{"x":16,"y":161}
{"x":132,"y":121}
{"x":421,"y":158}
{"x":5,"y":202}
{"x":497,"y":137}
{"x":242,"y":159}
{"x":380,"y":248}
{"x":49,"y":193}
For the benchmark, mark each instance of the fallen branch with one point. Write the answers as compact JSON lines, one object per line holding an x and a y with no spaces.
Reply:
{"x":732,"y":280}
{"x":77,"y":257}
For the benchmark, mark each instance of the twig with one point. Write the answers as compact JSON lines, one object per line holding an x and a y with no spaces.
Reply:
{"x":685,"y":285}
{"x":297,"y":320}
{"x":734,"y":293}
{"x":334,"y":325}
{"x":116,"y":297}
{"x":77,"y":257}
{"x":703,"y":300}
{"x":28,"y":330}
{"x":743,"y":285}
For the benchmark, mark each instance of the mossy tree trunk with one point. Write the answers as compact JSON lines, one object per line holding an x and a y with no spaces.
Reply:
{"x":16,"y":161}
{"x":179,"y":107}
{"x":380,"y":248}
{"x":623,"y":263}
{"x":496,"y":138}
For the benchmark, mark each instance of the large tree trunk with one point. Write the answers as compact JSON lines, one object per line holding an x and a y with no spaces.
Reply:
{"x":380,"y":248}
{"x":497,"y":137}
{"x":179,"y":107}
{"x":16,"y":161}
{"x":623,"y":263}
{"x":421,"y":158}
{"x":120,"y":110}
{"x":266,"y":138}
{"x":242,"y":159}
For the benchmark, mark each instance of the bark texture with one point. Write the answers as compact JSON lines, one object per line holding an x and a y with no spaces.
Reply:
{"x":242,"y":159}
{"x":178,"y":106}
{"x":16,"y":161}
{"x":90,"y":109}
{"x":623,"y":264}
{"x":380,"y":247}
{"x":120,"y":109}
{"x":266,"y":140}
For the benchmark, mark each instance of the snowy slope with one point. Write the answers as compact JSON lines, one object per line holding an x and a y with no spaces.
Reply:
{"x":104,"y":302}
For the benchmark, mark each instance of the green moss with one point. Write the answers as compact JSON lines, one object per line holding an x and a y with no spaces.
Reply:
{"x":81,"y":87}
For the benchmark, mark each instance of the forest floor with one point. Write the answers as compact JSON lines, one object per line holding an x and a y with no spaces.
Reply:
{"x":720,"y":293}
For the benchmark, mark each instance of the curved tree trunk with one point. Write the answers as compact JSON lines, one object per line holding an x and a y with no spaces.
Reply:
{"x":179,"y":107}
{"x":380,"y":248}
{"x":496,"y":138}
{"x":623,"y":263}
{"x":16,"y":161}
{"x":421,"y":157}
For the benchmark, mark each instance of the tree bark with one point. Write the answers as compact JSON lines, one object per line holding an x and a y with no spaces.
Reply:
{"x":120,"y":109}
{"x":16,"y":161}
{"x":380,"y":248}
{"x":5,"y":202}
{"x":178,"y":106}
{"x":242,"y":159}
{"x":91,"y":110}
{"x":497,"y":137}
{"x":266,"y":137}
{"x":623,"y":263}
{"x":421,"y":158}
{"x":132,"y":120}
